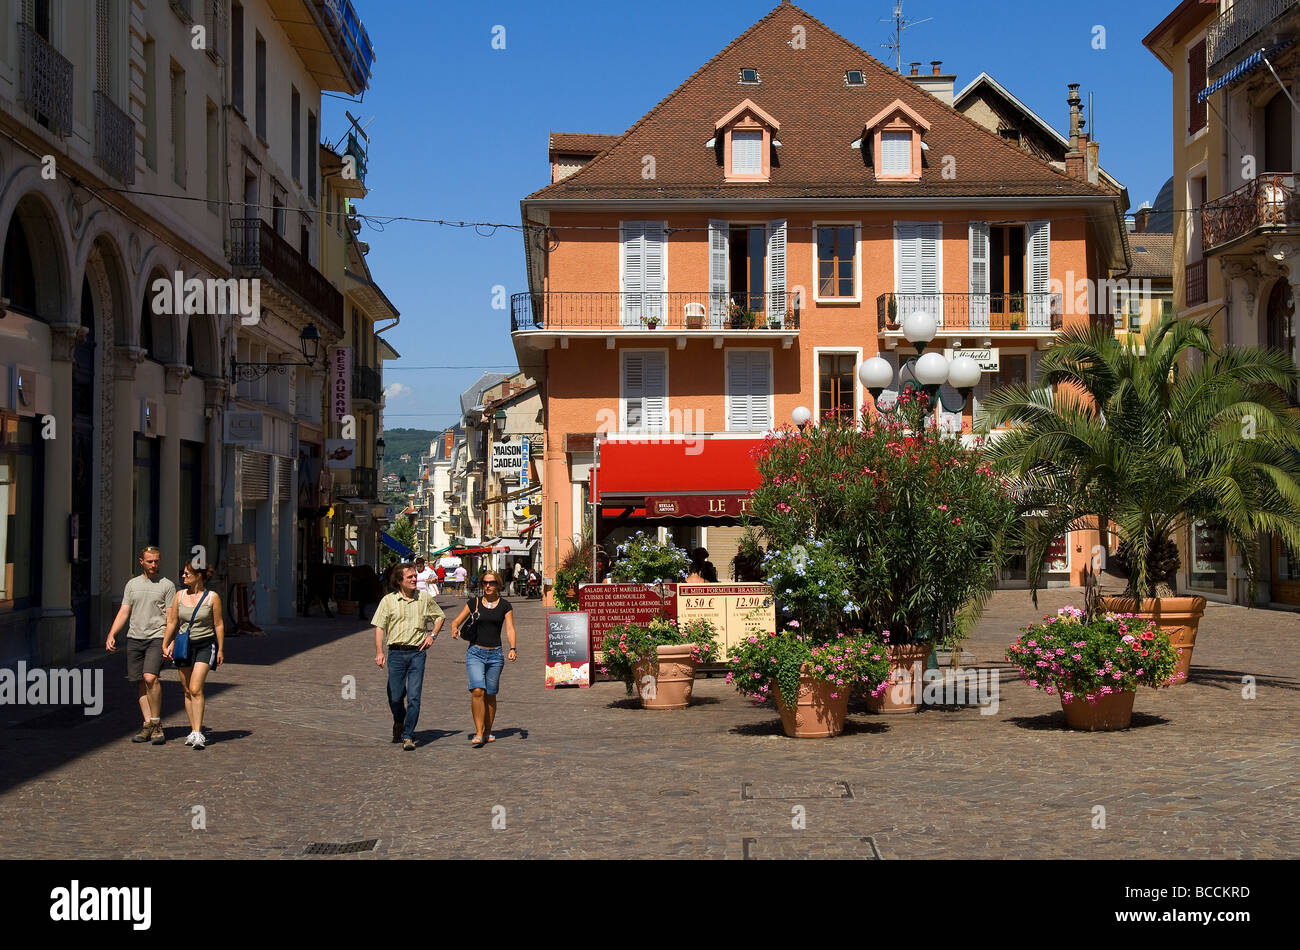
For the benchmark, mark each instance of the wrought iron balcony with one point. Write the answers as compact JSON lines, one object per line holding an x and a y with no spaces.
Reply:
{"x":622,"y":311}
{"x":114,"y":139}
{"x":255,"y":246}
{"x":981,"y":313}
{"x":1239,"y":24}
{"x":366,"y":384}
{"x":366,"y":481}
{"x":1269,"y":203}
{"x":46,"y":82}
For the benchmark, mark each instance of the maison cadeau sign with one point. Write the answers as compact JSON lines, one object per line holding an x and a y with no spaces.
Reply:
{"x":722,"y":505}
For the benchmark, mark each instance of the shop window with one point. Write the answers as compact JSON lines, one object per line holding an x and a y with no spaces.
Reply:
{"x":1208,"y":569}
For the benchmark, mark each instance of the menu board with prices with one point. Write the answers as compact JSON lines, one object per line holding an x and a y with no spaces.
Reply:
{"x":568,"y":649}
{"x":735,"y":610}
{"x":611,"y":604}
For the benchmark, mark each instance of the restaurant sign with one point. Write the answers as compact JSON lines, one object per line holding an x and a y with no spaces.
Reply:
{"x":721,"y":505}
{"x":987,"y":357}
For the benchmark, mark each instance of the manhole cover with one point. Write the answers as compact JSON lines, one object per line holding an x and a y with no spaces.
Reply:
{"x":753,"y":791}
{"x":347,"y":847}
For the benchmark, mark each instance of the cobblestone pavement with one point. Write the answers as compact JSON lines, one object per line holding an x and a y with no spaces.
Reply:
{"x":584,"y":773}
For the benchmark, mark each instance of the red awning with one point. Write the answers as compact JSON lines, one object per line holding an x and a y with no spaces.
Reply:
{"x":457,"y":552}
{"x":709,"y":478}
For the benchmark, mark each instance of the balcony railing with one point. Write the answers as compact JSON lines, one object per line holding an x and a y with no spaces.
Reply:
{"x":366,"y":481}
{"x":1238,"y":24}
{"x":1195,"y":286}
{"x":255,"y":245}
{"x":114,"y":139}
{"x":46,"y":82}
{"x":366,"y":384}
{"x":613,"y":310}
{"x":1001,"y":313}
{"x":1270,"y":201}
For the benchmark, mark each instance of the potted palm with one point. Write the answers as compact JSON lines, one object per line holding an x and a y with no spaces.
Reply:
{"x":1145,"y":446}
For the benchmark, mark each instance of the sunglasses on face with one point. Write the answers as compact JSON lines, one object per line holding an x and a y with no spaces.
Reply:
{"x":491,"y":583}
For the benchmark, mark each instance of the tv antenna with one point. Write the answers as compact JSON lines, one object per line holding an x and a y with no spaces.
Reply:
{"x":901,"y":23}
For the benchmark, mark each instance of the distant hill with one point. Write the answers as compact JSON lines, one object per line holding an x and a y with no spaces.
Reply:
{"x":399,"y":442}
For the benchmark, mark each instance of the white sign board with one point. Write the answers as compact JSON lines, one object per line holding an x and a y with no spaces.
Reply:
{"x":523,"y":471}
{"x":985,"y":356}
{"x":508,"y":458}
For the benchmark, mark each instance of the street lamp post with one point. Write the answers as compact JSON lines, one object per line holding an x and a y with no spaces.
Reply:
{"x":931,"y":370}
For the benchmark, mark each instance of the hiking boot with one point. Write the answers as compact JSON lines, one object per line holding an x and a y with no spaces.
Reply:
{"x":408,"y":745}
{"x":397,"y":731}
{"x":145,"y":733}
{"x":158,"y":737}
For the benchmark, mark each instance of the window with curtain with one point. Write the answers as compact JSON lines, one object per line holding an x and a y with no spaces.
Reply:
{"x":835,"y":386}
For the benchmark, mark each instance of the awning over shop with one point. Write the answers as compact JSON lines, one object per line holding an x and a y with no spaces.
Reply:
{"x":708,"y":478}
{"x":512,"y":546}
{"x":398,"y":546}
{"x":1247,"y":65}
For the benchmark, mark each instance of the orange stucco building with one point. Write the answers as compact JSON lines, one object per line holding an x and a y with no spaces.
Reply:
{"x":749,"y":242}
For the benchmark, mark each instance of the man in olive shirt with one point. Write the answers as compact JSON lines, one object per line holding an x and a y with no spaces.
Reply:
{"x":410,"y":620}
{"x":144,"y":605}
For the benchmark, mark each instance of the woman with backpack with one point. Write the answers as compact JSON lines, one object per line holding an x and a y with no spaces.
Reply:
{"x":489,"y":616}
{"x":195,"y":638}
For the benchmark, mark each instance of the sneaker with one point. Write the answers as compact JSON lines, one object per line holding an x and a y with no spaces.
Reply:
{"x":408,"y":745}
{"x":158,"y":737}
{"x":199,"y":740}
{"x":189,"y":740}
{"x":397,"y":731}
{"x":145,"y":733}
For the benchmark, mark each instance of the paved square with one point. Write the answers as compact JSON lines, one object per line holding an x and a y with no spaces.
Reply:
{"x":1204,"y":772}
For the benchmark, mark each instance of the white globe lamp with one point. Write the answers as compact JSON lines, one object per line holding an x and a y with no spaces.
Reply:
{"x":931,"y":369}
{"x":919,"y":327}
{"x":964,"y":373}
{"x":876,"y":374}
{"x":800,"y":416}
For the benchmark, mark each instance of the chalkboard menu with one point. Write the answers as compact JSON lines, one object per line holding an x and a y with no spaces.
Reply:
{"x":612,"y":604}
{"x":568,"y":649}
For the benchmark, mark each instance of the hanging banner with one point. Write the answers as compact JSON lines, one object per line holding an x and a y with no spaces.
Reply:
{"x":341,"y":382}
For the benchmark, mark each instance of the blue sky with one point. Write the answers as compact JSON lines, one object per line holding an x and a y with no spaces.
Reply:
{"x":460,"y":129}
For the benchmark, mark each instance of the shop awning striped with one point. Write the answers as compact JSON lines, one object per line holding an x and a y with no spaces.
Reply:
{"x":1251,"y":62}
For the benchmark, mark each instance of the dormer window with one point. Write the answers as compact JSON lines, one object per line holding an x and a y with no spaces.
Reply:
{"x":749,"y":77}
{"x":854,"y":77}
{"x":747,"y":135}
{"x":895,"y":137}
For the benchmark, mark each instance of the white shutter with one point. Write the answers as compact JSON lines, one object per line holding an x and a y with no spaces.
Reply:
{"x":656,"y":390}
{"x":738,"y":391}
{"x":746,"y":153}
{"x":928,"y":256}
{"x":760,"y":391}
{"x":776,"y":270}
{"x":255,"y":476}
{"x":633,"y":244}
{"x":979,"y":275}
{"x":654,"y":273}
{"x":1040,"y":275}
{"x":918,"y":277}
{"x":907,"y":280}
{"x":718,"y":232}
{"x":634,"y":390}
{"x":981,"y":393}
{"x":896,"y":153}
{"x":749,"y":396}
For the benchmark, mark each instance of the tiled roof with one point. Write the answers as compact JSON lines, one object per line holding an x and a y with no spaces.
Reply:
{"x":580,"y":143}
{"x":803,"y":87}
{"x":1153,"y":255}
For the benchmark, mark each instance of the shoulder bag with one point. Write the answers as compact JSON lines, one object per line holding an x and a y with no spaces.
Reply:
{"x":469,"y":629}
{"x":181,"y":648}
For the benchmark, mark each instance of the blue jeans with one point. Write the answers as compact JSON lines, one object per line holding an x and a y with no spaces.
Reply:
{"x":485,"y":666}
{"x":406,"y":681}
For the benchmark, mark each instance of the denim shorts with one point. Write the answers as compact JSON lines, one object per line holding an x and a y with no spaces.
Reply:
{"x":485,"y":667}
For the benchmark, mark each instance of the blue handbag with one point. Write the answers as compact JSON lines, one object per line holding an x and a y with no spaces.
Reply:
{"x":181,"y":649}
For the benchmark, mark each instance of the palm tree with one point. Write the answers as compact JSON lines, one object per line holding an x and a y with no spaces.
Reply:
{"x":1149,"y":444}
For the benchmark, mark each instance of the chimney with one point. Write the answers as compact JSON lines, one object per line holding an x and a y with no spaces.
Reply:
{"x":1076,"y":159}
{"x":1142,"y":219}
{"x":936,"y":82}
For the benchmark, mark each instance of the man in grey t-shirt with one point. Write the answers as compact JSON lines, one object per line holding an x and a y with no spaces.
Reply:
{"x":144,"y":605}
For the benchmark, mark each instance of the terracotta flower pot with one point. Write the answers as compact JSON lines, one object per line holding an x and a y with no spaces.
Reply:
{"x":671,"y":688}
{"x":815,"y":714}
{"x":906,"y":672}
{"x":1114,"y":711}
{"x":1177,"y":616}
